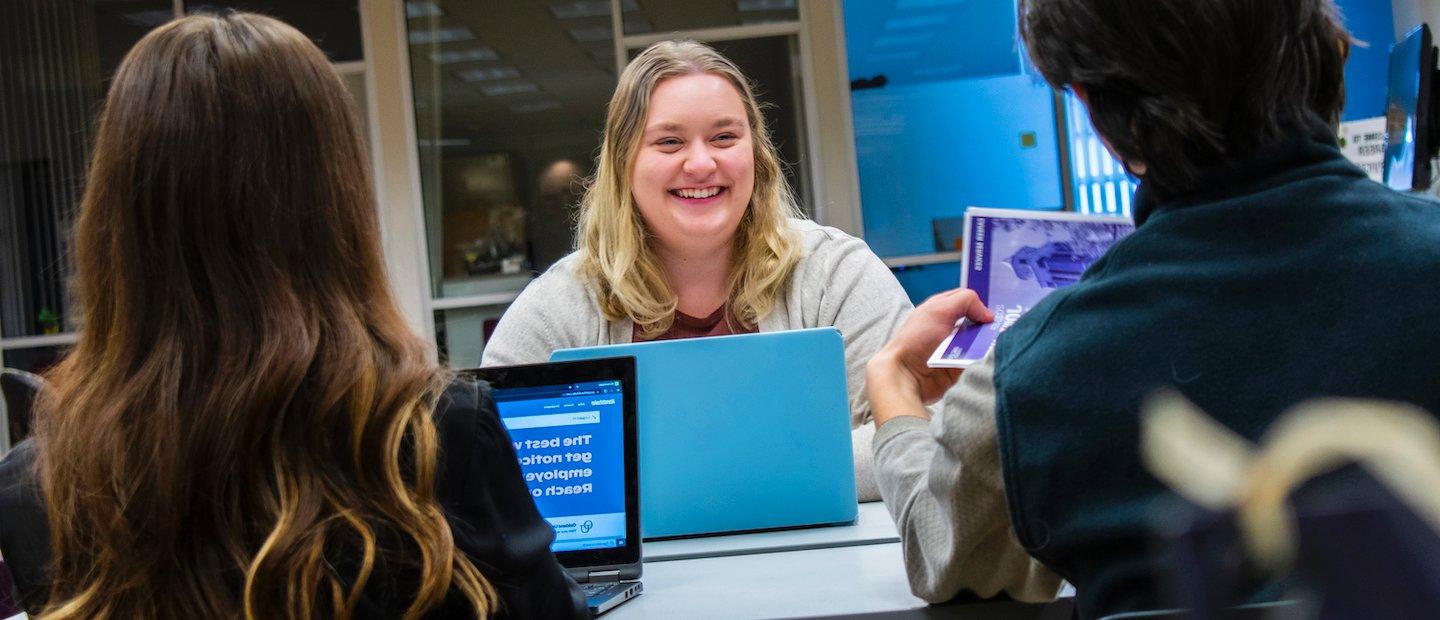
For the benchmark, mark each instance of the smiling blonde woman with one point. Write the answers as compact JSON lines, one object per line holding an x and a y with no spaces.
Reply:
{"x":689,"y":230}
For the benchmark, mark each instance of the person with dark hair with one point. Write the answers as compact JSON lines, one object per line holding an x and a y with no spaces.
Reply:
{"x":1265,"y":269}
{"x":247,"y":426}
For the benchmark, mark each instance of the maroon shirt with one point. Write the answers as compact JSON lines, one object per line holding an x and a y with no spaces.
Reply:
{"x":719,"y":323}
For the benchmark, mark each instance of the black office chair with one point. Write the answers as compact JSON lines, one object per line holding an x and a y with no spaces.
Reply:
{"x":20,"y":389}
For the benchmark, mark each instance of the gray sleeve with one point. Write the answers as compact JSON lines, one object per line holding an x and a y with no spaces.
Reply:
{"x":943,"y":486}
{"x":861,"y":438}
{"x":853,"y":290}
{"x":554,"y":312}
{"x":848,"y":286}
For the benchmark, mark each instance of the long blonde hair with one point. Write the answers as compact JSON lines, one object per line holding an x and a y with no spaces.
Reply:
{"x":244,"y":427}
{"x":613,"y":240}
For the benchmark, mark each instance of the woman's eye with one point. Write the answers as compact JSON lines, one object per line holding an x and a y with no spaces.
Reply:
{"x":667,"y":142}
{"x":726,"y":138}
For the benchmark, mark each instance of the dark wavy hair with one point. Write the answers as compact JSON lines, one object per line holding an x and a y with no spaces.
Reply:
{"x":1185,"y":84}
{"x":244,"y":427}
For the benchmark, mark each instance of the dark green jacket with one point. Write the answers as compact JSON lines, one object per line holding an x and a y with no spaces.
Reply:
{"x":1289,"y":276}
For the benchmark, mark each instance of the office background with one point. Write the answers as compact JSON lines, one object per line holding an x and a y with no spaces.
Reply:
{"x":483,"y":118}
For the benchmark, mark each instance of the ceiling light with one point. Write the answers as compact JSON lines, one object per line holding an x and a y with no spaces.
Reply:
{"x":509,"y":88}
{"x":421,"y":8}
{"x":445,"y":57}
{"x":488,"y":73}
{"x":441,"y":35}
{"x":572,"y":9}
{"x":149,"y":19}
{"x":765,"y":5}
{"x":535,"y":106}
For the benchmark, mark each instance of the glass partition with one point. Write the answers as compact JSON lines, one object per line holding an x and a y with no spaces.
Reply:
{"x":509,"y":109}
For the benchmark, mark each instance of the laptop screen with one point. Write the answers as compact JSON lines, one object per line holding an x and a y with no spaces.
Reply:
{"x":571,"y":442}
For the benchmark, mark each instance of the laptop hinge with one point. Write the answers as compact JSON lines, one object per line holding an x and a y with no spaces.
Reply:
{"x":602,"y":576}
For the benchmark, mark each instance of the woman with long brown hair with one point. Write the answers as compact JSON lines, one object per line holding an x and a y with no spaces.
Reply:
{"x":247,"y":426}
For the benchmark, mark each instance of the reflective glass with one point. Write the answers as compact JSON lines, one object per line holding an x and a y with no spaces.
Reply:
{"x":656,"y":16}
{"x":769,"y":62}
{"x":55,"y":62}
{"x":34,"y":359}
{"x":461,"y":334}
{"x":334,"y":25}
{"x":509,"y":114}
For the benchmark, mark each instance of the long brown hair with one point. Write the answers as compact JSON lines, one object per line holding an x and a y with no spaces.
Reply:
{"x":244,"y":426}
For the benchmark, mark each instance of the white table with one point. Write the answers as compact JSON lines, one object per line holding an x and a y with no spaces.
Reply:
{"x":783,"y":584}
{"x":833,"y":571}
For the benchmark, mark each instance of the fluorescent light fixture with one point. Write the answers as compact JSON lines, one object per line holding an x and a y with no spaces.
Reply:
{"x":765,"y":5}
{"x":535,"y":106}
{"x":148,"y":18}
{"x":752,"y":20}
{"x":485,"y":74}
{"x":441,"y":35}
{"x":421,"y":8}
{"x":594,"y":34}
{"x":572,"y":9}
{"x":445,"y":57}
{"x":509,"y":88}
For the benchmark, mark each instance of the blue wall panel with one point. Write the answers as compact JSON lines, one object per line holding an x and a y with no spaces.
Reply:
{"x":922,"y":281}
{"x":911,"y":41}
{"x":929,"y":150}
{"x":1372,"y":22}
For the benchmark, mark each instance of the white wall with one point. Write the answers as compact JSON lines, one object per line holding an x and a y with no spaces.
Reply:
{"x":1409,"y":13}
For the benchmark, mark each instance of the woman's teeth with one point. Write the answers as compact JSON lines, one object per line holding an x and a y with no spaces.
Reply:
{"x":696,"y":193}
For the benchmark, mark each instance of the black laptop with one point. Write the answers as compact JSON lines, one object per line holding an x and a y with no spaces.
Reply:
{"x":573,"y":426}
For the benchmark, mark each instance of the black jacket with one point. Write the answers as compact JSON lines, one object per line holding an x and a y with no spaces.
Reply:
{"x":491,"y":514}
{"x":1287,"y":275}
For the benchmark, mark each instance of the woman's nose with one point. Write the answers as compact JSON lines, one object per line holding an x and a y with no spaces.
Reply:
{"x":699,"y":162}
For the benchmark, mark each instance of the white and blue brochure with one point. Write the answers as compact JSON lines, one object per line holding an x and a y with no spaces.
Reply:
{"x":1013,"y":259}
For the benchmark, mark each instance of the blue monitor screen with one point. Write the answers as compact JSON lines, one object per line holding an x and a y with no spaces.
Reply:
{"x":571,"y":442}
{"x":1400,"y":111}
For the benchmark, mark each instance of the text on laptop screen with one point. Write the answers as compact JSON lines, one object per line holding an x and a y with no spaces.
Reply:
{"x":570,"y":440}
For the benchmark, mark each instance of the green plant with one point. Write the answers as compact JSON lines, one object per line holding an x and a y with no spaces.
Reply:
{"x":49,"y":321}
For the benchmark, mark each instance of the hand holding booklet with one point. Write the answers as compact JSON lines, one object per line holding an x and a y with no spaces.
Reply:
{"x":1013,"y":259}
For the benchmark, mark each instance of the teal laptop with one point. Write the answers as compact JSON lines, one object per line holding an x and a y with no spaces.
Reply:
{"x":740,"y":433}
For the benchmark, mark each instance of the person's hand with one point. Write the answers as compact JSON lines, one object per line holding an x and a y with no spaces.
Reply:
{"x":898,"y":380}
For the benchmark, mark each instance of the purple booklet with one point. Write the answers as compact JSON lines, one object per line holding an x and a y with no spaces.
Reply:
{"x":1013,"y":259}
